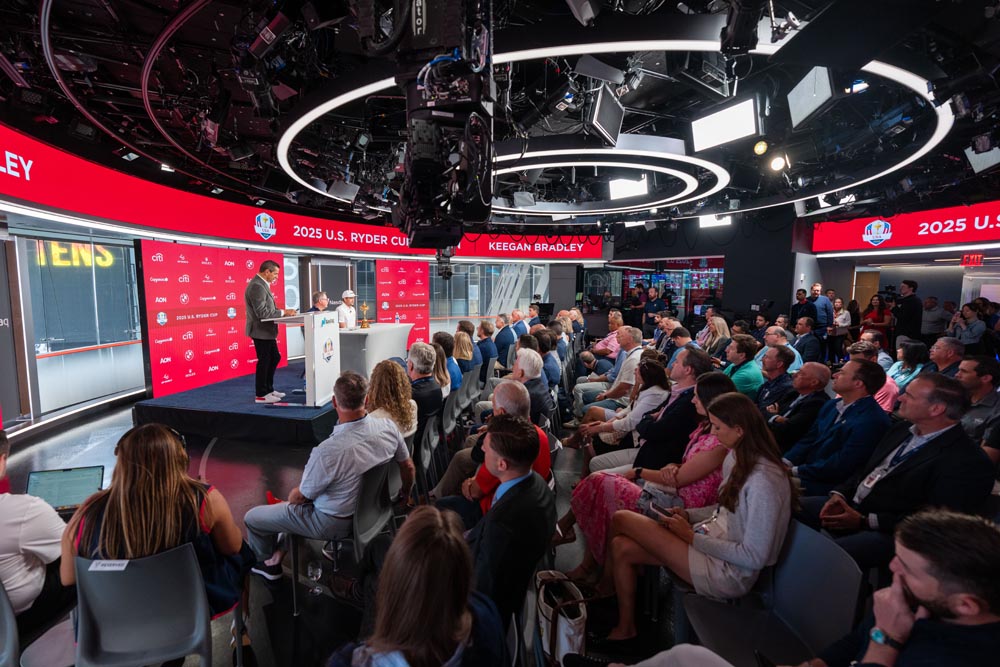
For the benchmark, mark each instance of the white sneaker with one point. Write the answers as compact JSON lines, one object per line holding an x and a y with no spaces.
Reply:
{"x":279,"y":394}
{"x":270,"y":398}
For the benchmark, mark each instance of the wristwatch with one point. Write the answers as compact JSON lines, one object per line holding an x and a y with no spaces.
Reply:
{"x":879,"y":636}
{"x":638,"y":472}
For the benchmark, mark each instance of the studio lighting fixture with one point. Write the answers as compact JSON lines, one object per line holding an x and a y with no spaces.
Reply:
{"x":705,"y":221}
{"x":166,"y":167}
{"x":622,"y":188}
{"x":217,"y":191}
{"x":778,"y":162}
{"x":734,"y":122}
{"x":760,"y":147}
{"x":128,"y":157}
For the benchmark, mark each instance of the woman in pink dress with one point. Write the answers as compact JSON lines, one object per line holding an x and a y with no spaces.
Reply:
{"x":695,"y":482}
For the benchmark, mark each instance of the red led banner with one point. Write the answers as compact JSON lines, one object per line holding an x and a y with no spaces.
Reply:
{"x":195,"y":314}
{"x":979,"y":223}
{"x":404,"y":296}
{"x":35,"y":172}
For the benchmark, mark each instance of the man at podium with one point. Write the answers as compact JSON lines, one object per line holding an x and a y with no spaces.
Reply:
{"x":346,"y":315}
{"x":260,"y":306}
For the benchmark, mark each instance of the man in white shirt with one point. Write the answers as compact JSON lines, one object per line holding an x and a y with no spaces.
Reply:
{"x":346,"y":315}
{"x":30,"y":534}
{"x":322,"y":506}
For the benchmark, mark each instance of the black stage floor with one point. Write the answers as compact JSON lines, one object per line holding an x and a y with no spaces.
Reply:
{"x":227,"y":410}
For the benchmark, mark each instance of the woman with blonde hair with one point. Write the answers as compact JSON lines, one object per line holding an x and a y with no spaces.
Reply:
{"x":152,"y":506}
{"x":718,"y":337}
{"x":390,"y":397}
{"x":463,"y":351}
{"x":579,"y":324}
{"x":427,"y":614}
{"x":441,"y":373}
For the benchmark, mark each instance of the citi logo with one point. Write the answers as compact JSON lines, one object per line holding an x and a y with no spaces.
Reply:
{"x":231,"y":296}
{"x":184,"y":279}
{"x":188,"y":335}
{"x":234,"y":346}
{"x":158,"y":257}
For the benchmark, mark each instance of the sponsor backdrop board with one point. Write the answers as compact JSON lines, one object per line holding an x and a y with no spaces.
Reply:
{"x":958,"y":225}
{"x":33,"y":171}
{"x":403,"y":289}
{"x":195,"y":316}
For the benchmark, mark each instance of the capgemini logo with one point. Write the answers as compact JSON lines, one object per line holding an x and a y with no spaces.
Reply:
{"x":877,"y":232}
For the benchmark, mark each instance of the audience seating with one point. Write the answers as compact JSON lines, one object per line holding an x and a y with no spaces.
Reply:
{"x":151,"y":611}
{"x":814,"y":602}
{"x":10,"y":655}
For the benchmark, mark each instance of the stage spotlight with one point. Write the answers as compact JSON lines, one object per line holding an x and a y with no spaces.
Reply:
{"x":760,"y":147}
{"x":778,"y":162}
{"x":740,"y":34}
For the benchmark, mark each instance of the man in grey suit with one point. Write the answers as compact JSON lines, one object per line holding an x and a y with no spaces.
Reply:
{"x":260,"y":306}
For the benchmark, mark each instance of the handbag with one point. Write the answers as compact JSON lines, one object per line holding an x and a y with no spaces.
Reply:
{"x":562,"y":616}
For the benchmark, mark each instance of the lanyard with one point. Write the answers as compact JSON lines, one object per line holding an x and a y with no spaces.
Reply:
{"x":901,"y":453}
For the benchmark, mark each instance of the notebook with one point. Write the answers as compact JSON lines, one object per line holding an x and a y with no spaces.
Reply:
{"x":65,"y":489}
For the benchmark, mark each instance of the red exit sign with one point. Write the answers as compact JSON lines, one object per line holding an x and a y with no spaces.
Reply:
{"x":972,"y":259}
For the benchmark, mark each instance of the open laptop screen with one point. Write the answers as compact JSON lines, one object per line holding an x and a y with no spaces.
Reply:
{"x":64,"y":489}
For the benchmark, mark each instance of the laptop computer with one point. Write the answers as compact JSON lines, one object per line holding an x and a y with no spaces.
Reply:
{"x":65,"y":490}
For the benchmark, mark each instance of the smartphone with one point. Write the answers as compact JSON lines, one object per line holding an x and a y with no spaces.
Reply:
{"x":665,"y":511}
{"x":763,"y":660}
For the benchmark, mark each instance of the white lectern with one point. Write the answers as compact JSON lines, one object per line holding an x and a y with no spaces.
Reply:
{"x":362,"y":349}
{"x":322,"y":348}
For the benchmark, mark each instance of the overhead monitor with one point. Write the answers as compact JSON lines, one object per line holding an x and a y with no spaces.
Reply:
{"x":810,"y":95}
{"x":734,"y":122}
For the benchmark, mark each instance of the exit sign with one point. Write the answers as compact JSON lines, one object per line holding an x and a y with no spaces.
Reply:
{"x":972,"y":259}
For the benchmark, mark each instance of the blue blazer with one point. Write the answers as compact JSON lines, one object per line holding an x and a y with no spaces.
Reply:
{"x":505,"y":338}
{"x":520,"y":327}
{"x":835,"y":448}
{"x":561,"y":348}
{"x":487,"y":350}
{"x":533,"y":321}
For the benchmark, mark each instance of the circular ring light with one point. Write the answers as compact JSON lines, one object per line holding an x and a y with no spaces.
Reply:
{"x":914,"y":82}
{"x":595,"y":208}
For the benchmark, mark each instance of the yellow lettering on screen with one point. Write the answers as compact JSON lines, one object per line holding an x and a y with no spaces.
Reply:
{"x":104,"y":257}
{"x":82,"y":253}
{"x":40,"y":251}
{"x":57,"y":252}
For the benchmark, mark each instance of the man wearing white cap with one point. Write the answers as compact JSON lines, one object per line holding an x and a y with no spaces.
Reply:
{"x":346,"y":315}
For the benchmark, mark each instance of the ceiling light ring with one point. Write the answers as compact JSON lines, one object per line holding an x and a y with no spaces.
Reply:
{"x":908,"y":79}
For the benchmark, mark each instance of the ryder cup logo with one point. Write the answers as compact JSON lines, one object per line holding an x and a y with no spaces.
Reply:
{"x":231,"y":313}
{"x":264,"y":226}
{"x":328,"y":349}
{"x":877,"y":232}
{"x":161,"y":318}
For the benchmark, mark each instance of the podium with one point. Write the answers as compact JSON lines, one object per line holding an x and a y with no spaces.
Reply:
{"x":322,"y":353}
{"x":362,"y":349}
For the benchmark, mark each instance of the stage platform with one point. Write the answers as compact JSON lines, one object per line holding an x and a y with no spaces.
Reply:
{"x":227,"y":410}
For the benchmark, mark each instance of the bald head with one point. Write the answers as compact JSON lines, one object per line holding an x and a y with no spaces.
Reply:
{"x":813,"y":376}
{"x":775,"y":335}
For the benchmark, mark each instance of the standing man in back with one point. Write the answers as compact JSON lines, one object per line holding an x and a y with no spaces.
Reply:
{"x":260,"y":306}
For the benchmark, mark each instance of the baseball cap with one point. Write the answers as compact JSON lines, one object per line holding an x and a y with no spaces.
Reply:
{"x":348,"y":294}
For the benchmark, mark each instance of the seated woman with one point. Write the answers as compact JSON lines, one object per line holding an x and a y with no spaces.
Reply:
{"x":441,"y":373}
{"x":720,"y":551}
{"x":912,"y":356}
{"x":579,"y":324}
{"x":427,"y":614}
{"x":695,"y":482}
{"x":718,"y":337}
{"x":649,"y":390}
{"x":389,"y":397}
{"x":463,"y":351}
{"x":151,"y":473}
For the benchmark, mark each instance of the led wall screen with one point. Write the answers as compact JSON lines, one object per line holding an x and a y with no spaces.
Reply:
{"x":194,"y":314}
{"x":404,"y":292}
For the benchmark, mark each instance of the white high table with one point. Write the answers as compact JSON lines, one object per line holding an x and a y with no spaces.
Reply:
{"x":362,"y":349}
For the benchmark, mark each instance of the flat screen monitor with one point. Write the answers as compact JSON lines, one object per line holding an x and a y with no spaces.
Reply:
{"x":65,"y":489}
{"x":810,"y":95}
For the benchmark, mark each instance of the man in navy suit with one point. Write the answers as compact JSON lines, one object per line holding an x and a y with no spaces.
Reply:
{"x":533,"y":317}
{"x":806,"y":342}
{"x":927,"y":461}
{"x":505,"y":338}
{"x":487,"y":348}
{"x":518,"y":323}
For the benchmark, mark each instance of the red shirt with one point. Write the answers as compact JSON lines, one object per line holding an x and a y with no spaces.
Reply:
{"x":488,"y":483}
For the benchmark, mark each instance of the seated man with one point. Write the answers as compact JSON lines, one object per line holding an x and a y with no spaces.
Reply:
{"x":30,"y":549}
{"x":528,"y":371}
{"x":617,"y":394}
{"x":792,"y":417}
{"x":586,"y":392}
{"x":487,"y":348}
{"x":663,"y":435}
{"x":426,"y":392}
{"x":468,"y":491}
{"x":979,"y":375}
{"x":681,"y":338}
{"x":561,"y":346}
{"x":322,"y":506}
{"x":777,"y":381}
{"x":550,"y":358}
{"x":527,"y":341}
{"x":778,"y":336}
{"x":514,"y":534}
{"x":447,"y":343}
{"x":844,"y":434}
{"x":741,"y":368}
{"x":877,"y":338}
{"x":928,"y":462}
{"x":665,"y":345}
{"x":888,"y":395}
{"x":607,"y":347}
{"x":504,"y":340}
{"x":806,"y":342}
{"x":946,"y":354}
{"x":595,"y":367}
